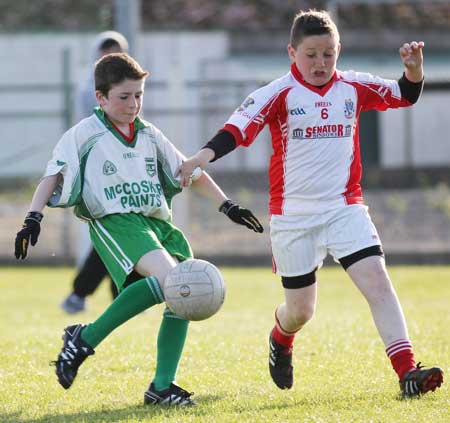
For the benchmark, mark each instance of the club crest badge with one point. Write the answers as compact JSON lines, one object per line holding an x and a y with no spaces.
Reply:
{"x":349,"y":110}
{"x":109,"y":168}
{"x":150,"y":166}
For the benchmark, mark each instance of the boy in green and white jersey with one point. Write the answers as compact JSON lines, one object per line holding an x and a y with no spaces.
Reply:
{"x":117,"y":170}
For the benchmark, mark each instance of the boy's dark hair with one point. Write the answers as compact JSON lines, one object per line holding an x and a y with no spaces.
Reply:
{"x":113,"y":69}
{"x":311,"y":22}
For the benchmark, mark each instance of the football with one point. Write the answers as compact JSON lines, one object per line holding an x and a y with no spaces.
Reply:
{"x":194,"y":289}
{"x":196,"y":173}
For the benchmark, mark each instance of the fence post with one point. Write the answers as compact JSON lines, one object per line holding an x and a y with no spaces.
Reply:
{"x":67,"y":122}
{"x":408,"y":137}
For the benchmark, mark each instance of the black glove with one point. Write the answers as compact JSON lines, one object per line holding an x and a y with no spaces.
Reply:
{"x":241,"y":216}
{"x":28,"y":234}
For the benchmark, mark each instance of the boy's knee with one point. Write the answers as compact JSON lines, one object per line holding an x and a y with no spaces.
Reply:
{"x":299,"y":316}
{"x":304,"y":315}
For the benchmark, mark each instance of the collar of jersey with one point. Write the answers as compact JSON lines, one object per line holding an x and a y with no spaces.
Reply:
{"x":138,"y":125}
{"x":319,"y":90}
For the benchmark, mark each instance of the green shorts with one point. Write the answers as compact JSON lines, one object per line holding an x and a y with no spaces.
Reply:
{"x":122,"y":239}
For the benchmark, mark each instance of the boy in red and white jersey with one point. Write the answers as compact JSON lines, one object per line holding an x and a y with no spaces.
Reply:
{"x":316,"y":202}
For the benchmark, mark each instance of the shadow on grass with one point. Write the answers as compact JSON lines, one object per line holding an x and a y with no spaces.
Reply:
{"x":134,"y":413}
{"x":341,"y":400}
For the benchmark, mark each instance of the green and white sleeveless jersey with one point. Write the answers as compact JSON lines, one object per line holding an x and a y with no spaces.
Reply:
{"x":103,"y":174}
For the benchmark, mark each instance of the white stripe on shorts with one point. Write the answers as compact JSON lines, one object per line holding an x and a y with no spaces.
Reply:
{"x":124,"y":262}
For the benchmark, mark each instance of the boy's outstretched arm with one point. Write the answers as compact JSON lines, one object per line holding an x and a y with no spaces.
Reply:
{"x":220,"y":145}
{"x":31,"y":228}
{"x":206,"y":186}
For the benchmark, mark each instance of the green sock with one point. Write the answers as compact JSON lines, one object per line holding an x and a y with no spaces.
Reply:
{"x":171,"y":337}
{"x":133,"y":300}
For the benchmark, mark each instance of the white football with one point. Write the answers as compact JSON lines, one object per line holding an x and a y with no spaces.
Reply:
{"x":196,"y":173}
{"x":194,"y":289}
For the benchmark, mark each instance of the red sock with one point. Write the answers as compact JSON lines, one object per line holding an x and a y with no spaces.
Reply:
{"x":401,"y":355}
{"x":285,"y":338}
{"x":286,"y":341}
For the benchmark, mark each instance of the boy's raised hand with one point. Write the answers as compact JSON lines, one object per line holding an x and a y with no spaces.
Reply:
{"x":412,"y":58}
{"x":28,"y":234}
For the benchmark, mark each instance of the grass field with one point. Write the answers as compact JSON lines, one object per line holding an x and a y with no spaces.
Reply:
{"x":341,"y":371}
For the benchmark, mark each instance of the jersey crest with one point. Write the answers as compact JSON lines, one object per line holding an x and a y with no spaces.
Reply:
{"x":150,"y":166}
{"x":109,"y":168}
{"x":349,"y":110}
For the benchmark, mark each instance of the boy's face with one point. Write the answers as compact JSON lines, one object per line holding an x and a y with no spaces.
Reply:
{"x":316,"y":57}
{"x":124,"y":101}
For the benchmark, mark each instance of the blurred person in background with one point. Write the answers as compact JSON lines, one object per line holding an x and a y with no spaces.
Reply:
{"x":118,"y":172}
{"x":91,"y":270}
{"x":316,"y":202}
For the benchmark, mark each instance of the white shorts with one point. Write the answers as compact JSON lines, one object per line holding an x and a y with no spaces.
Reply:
{"x":301,"y":243}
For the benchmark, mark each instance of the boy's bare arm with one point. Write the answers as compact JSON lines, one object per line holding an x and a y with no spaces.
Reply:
{"x":44,"y":191}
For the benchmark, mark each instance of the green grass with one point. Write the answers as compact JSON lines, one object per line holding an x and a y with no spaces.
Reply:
{"x":341,"y":371}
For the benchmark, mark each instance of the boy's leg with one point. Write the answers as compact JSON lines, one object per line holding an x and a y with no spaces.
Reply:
{"x":85,"y":283}
{"x":290,"y":317}
{"x":120,"y":240}
{"x":171,"y":338}
{"x":133,"y":300}
{"x":90,"y":275}
{"x":370,"y":276}
{"x":298,"y":249}
{"x":114,"y":290}
{"x":80,"y":341}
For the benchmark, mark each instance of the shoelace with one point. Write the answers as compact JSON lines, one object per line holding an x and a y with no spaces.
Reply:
{"x":69,"y":352}
{"x":180,"y":397}
{"x":182,"y":393}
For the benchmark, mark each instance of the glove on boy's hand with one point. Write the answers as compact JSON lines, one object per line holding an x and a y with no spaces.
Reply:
{"x":241,"y":216}
{"x":28,"y":234}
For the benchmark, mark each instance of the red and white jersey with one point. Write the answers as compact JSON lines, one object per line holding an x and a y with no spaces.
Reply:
{"x":315,"y":165}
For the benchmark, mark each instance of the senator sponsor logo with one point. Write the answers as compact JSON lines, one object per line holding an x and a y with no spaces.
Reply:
{"x":297,"y":111}
{"x":322,"y":104}
{"x":135,"y":194}
{"x":324,"y":131}
{"x":297,"y":134}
